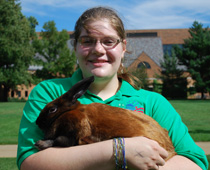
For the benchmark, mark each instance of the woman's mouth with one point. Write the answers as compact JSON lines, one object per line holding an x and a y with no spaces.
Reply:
{"x":98,"y":63}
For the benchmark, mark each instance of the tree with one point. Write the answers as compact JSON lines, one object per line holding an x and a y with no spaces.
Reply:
{"x":16,"y":52}
{"x":141,"y":74}
{"x":53,"y":53}
{"x":174,"y":84}
{"x":33,"y":23}
{"x":195,"y":55}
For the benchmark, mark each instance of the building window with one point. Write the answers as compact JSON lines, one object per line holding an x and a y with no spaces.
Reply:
{"x":12,"y":93}
{"x":142,"y":34}
{"x":19,"y":93}
{"x":167,"y":48}
{"x":26,"y":93}
{"x":144,"y":64}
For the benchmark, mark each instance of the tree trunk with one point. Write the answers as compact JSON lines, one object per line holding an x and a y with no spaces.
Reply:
{"x":5,"y":94}
{"x":202,"y":95}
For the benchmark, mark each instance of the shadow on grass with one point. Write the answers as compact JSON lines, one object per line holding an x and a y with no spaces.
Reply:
{"x":199,"y":131}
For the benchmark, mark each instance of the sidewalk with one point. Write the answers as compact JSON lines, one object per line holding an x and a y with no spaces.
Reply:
{"x":10,"y":151}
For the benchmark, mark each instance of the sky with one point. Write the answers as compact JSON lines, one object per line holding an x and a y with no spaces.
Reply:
{"x":136,"y":14}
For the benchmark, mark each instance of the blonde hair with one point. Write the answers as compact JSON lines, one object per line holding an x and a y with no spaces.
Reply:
{"x":98,"y":13}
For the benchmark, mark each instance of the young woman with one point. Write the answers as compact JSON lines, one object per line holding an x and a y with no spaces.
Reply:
{"x":100,"y":44}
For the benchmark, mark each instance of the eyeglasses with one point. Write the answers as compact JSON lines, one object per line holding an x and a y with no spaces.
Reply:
{"x":107,"y":42}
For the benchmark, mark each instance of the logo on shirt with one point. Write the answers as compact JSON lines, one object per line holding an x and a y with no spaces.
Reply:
{"x":134,"y":106}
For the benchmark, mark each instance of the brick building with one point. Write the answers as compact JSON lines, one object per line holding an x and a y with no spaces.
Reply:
{"x":145,"y":47}
{"x":149,"y":46}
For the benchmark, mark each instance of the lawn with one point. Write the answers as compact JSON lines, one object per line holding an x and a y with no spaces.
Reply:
{"x":10,"y":116}
{"x":8,"y":164}
{"x":194,"y":113}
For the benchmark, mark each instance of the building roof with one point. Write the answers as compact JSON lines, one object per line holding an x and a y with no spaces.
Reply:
{"x":152,"y":46}
{"x":168,"y":36}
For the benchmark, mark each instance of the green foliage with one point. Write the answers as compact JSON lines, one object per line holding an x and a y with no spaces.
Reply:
{"x":16,"y":52}
{"x":54,"y":54}
{"x":174,"y":84}
{"x":11,"y":99}
{"x":33,"y":23}
{"x":195,"y":55}
{"x":157,"y":87}
{"x":170,"y":66}
{"x":141,"y":74}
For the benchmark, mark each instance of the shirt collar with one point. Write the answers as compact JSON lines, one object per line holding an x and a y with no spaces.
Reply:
{"x":125,"y":90}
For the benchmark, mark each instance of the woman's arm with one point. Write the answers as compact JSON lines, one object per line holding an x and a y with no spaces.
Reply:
{"x":141,"y":153}
{"x":81,"y":157}
{"x":181,"y":163}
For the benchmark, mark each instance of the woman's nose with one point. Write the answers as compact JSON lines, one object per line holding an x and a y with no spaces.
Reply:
{"x":98,"y":48}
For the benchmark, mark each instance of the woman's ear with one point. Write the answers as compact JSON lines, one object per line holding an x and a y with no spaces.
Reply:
{"x":124,"y":42}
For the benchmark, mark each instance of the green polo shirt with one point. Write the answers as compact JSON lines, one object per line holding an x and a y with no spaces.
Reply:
{"x":142,"y":101}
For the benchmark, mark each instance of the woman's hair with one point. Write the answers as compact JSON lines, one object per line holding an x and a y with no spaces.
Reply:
{"x":98,"y":13}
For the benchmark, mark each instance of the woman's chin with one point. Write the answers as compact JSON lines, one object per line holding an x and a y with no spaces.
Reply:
{"x":99,"y":74}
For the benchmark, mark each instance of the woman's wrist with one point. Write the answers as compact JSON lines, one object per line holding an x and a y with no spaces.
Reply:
{"x":119,"y":153}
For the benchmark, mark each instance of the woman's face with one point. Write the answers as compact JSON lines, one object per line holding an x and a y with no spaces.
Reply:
{"x":96,"y":59}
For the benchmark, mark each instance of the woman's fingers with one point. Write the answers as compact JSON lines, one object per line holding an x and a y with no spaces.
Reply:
{"x":144,"y":153}
{"x":163,"y":153}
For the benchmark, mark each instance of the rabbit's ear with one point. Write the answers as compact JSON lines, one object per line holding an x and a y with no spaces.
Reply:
{"x":79,"y":89}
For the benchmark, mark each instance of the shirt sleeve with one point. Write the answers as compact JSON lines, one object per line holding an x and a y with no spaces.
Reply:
{"x":29,"y":133}
{"x":168,"y":118}
{"x":43,"y":93}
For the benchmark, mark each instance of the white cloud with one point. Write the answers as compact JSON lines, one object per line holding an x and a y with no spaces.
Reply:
{"x":58,"y":4}
{"x":166,"y":14}
{"x":137,"y":14}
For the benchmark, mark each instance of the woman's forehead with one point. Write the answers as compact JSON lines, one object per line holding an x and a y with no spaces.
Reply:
{"x":99,"y":28}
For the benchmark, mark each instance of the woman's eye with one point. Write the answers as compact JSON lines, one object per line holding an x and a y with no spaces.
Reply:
{"x":87,"y":41}
{"x":109,"y":41}
{"x":53,"y":110}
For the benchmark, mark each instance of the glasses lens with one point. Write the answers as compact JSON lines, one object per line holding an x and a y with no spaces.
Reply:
{"x":109,"y":42}
{"x":86,"y":41}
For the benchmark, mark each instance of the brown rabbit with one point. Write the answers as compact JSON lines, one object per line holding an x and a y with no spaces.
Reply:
{"x":66,"y":122}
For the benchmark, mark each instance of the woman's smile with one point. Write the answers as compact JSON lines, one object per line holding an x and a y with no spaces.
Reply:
{"x":98,"y":62}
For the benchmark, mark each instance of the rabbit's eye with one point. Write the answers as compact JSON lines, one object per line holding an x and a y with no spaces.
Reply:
{"x":53,"y":110}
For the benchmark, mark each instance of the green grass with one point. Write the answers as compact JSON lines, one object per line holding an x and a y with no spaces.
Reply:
{"x":8,"y":164}
{"x":10,"y":116}
{"x":195,"y":114}
{"x":208,"y":157}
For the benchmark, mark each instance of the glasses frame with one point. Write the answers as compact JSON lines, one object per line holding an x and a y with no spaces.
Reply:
{"x":118,"y":40}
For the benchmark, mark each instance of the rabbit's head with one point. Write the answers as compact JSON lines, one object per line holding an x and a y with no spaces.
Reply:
{"x":66,"y":102}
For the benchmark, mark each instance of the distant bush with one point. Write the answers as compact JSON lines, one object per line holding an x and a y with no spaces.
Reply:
{"x":12,"y":99}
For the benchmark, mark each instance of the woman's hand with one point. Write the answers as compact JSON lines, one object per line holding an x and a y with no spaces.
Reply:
{"x":144,"y":153}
